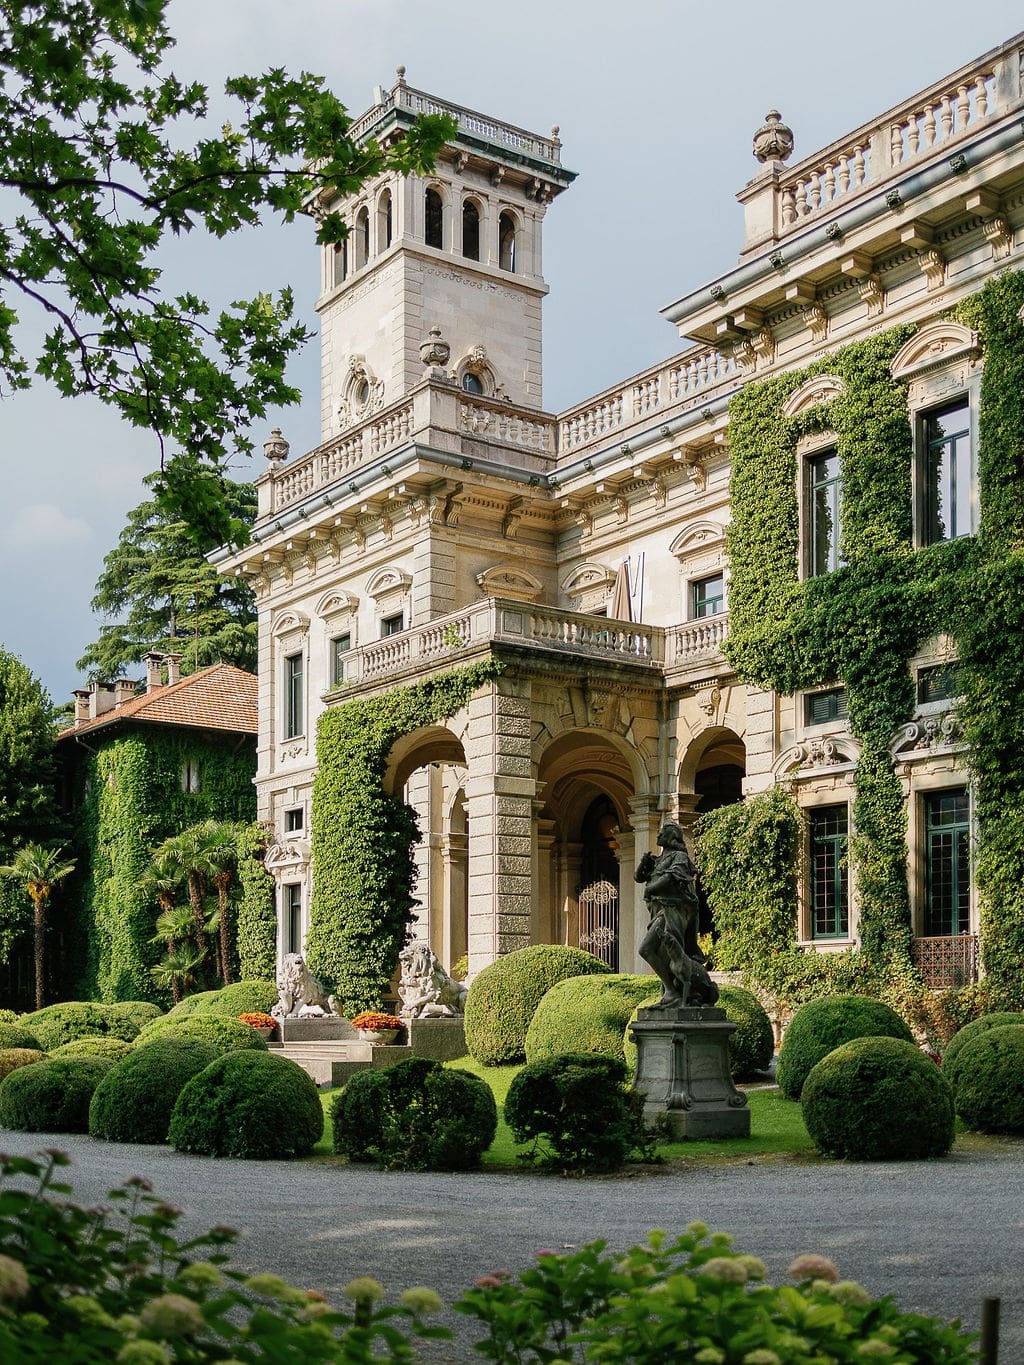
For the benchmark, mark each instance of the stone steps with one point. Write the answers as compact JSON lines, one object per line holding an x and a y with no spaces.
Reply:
{"x":332,"y":1063}
{"x":329,"y":1050}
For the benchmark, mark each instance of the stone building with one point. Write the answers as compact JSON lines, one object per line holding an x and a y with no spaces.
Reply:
{"x":446,"y":516}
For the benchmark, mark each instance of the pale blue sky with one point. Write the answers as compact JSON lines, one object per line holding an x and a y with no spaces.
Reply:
{"x":656,"y":102}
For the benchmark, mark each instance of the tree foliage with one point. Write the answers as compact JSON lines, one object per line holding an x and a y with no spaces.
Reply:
{"x":165,"y":596}
{"x":109,"y":155}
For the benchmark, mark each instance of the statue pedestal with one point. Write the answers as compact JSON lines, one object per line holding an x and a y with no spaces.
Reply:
{"x":683,"y":1070}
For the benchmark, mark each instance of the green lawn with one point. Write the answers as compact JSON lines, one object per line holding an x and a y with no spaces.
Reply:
{"x":777,"y":1126}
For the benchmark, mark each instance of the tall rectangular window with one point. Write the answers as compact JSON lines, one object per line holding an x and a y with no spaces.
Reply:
{"x":824,"y":501}
{"x":294,"y":721}
{"x":947,"y":825}
{"x":340,"y":646}
{"x":707,"y":597}
{"x":291,"y":894}
{"x":946,"y":470}
{"x":830,"y":897}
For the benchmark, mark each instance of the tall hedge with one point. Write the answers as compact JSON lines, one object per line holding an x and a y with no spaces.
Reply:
{"x":363,"y":838}
{"x":130,"y":798}
{"x":255,"y":913}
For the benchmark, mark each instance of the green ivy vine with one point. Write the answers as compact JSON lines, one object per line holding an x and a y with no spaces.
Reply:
{"x":129,"y":798}
{"x":861,"y":624}
{"x":363,"y":837}
{"x":255,"y":913}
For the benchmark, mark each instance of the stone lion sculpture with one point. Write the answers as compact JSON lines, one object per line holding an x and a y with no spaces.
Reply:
{"x":427,"y":991}
{"x":300,"y":995}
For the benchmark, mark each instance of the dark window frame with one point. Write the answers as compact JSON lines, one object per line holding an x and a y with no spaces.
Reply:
{"x":816,"y":562}
{"x":699,"y":602}
{"x":294,"y":696}
{"x":471,"y":230}
{"x":294,"y":820}
{"x":388,"y":626}
{"x":340,"y":646}
{"x":945,"y":468}
{"x":832,"y":700}
{"x":947,"y":862}
{"x":433,"y":219}
{"x":828,"y":900}
{"x":946,"y":688}
{"x":291,"y":912}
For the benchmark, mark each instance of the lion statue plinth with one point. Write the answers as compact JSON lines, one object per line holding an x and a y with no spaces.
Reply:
{"x":427,"y":991}
{"x":300,"y":994}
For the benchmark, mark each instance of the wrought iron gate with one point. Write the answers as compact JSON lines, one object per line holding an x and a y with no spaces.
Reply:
{"x":599,"y":921}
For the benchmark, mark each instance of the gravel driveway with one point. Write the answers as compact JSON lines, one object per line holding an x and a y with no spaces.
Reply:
{"x":938,"y":1235}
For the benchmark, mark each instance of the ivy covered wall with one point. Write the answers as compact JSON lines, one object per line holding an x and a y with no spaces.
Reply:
{"x":861,"y":624}
{"x":129,"y":797}
{"x":363,"y":837}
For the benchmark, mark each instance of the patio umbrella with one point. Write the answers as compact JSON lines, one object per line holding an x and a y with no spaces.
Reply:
{"x":622,"y":606}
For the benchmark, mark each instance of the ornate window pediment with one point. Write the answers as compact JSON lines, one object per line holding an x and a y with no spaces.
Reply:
{"x":388,"y":581}
{"x":337,"y":602}
{"x":926,"y":735}
{"x":289,"y":622}
{"x":508,"y":580}
{"x":939,"y":344}
{"x":290,"y":856}
{"x":812,"y":393}
{"x":698,"y":538}
{"x":589,"y":586}
{"x":825,"y":753}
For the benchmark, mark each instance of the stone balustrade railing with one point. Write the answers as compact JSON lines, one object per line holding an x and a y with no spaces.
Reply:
{"x":696,"y":639}
{"x":933,"y":121}
{"x":525,"y":624}
{"x":476,"y":125}
{"x":696,"y":373}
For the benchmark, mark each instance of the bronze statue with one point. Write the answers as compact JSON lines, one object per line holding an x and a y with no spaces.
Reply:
{"x":670,"y":944}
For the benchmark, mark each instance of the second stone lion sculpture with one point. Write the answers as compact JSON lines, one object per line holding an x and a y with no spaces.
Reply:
{"x":427,"y":991}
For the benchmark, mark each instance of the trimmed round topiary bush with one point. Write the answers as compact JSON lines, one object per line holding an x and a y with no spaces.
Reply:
{"x":226,"y":1035}
{"x":134,"y":1101}
{"x":8,"y":1017}
{"x":416,"y":1116}
{"x":822,"y":1025}
{"x":140,"y":1012}
{"x":879,"y":1099}
{"x":15,"y":1035}
{"x":51,"y":1096}
{"x":13,"y":1057}
{"x":55,"y":1025}
{"x":243,"y":997}
{"x":504,"y":996}
{"x":116,"y":1049}
{"x":989,"y":1093}
{"x":248,"y":1104}
{"x":750,"y":1047}
{"x":586,"y":1014}
{"x":576,"y":1111}
{"x":192,"y":1004}
{"x":960,"y":1039}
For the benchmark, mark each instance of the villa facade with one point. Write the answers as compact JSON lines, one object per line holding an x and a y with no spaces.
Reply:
{"x":447,"y":517}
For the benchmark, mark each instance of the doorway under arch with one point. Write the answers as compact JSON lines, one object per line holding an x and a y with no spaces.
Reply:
{"x":716,"y":772}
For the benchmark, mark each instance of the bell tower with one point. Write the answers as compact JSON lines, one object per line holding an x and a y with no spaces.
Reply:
{"x":442,"y":270}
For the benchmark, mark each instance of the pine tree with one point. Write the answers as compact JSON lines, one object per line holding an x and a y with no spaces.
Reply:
{"x":167,"y":597}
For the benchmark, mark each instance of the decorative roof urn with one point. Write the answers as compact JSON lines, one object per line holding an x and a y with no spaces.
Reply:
{"x":276,"y":448}
{"x":773,"y":141}
{"x":435,"y":354}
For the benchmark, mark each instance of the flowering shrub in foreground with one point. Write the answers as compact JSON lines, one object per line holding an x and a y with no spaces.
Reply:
{"x":98,"y":1286}
{"x":694,"y":1299}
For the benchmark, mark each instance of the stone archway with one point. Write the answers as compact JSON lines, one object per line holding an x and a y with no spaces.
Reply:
{"x":427,"y":768}
{"x":589,"y":780}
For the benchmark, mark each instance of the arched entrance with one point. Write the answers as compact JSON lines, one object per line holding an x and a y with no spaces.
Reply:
{"x":427,"y":769}
{"x":589,"y":781}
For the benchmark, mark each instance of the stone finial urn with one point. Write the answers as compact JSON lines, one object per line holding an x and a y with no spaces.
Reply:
{"x":276,"y":448}
{"x":435,"y":351}
{"x":773,"y":141}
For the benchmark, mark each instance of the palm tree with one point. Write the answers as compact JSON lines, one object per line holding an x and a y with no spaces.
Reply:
{"x":179,"y":971}
{"x":39,"y":869}
{"x":218,"y":850}
{"x":174,"y":925}
{"x":179,"y":859}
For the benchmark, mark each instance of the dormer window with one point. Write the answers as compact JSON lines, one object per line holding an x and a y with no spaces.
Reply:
{"x":470,"y":231}
{"x":507,"y":242}
{"x":433,"y":208}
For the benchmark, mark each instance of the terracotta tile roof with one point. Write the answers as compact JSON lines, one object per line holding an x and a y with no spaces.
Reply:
{"x":220,"y":697}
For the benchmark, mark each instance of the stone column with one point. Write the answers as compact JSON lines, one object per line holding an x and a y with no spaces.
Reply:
{"x":630,"y":931}
{"x":547,"y":924}
{"x":761,"y":741}
{"x":570,"y":866}
{"x":499,"y":795}
{"x":454,"y":943}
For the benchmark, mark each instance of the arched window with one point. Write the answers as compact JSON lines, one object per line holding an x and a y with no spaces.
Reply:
{"x":384,"y":221}
{"x":434,"y":214}
{"x":362,"y":238}
{"x":472,"y":383}
{"x":507,"y":242}
{"x":470,"y":231}
{"x":340,"y":262}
